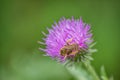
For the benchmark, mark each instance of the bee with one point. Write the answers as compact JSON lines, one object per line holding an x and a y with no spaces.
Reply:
{"x":69,"y":49}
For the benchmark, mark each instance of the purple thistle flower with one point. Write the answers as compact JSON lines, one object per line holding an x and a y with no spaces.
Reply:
{"x":68,"y":39}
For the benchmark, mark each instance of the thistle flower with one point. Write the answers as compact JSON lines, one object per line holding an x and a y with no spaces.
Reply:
{"x":69,"y":39}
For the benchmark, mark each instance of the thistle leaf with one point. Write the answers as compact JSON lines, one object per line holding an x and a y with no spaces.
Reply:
{"x":104,"y":75}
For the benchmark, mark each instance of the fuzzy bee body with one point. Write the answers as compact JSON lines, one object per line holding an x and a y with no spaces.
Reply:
{"x":69,"y":49}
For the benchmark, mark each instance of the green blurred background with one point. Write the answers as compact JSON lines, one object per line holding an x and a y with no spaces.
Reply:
{"x":23,"y":20}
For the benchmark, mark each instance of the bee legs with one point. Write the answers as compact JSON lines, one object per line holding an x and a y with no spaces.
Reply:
{"x":65,"y":57}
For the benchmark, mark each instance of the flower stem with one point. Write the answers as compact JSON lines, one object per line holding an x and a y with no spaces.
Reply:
{"x":83,"y":72}
{"x":92,"y":71}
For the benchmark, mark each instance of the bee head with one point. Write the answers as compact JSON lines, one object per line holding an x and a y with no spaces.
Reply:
{"x":63,"y":52}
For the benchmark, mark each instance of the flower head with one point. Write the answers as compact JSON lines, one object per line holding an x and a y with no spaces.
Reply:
{"x":68,"y":39}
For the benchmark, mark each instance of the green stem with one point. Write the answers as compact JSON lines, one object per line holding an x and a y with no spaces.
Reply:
{"x":92,"y":71}
{"x":83,"y":72}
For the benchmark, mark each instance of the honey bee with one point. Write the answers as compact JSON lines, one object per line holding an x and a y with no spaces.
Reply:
{"x":69,"y":49}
